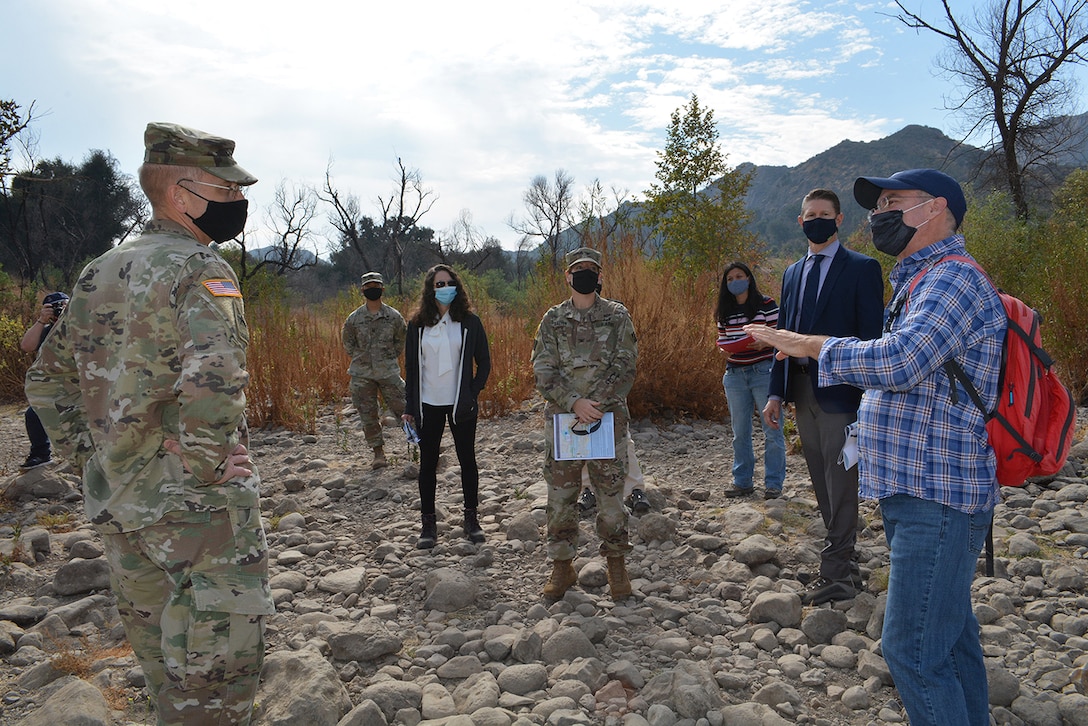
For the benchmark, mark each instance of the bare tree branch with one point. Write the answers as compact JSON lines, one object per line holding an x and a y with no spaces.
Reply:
{"x":1012,"y":60}
{"x":549,"y":207}
{"x":345,"y":217}
{"x":401,"y":212}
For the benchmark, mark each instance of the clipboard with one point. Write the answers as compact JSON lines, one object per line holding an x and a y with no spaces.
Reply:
{"x":574,"y":441}
{"x":738,"y":346}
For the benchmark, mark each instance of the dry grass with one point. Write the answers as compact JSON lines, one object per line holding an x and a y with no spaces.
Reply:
{"x":59,"y":522}
{"x":80,"y":661}
{"x":297,"y":363}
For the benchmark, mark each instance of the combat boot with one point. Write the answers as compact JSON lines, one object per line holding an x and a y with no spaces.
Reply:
{"x":562,"y":577}
{"x":473,"y":532}
{"x":379,"y":458}
{"x":618,"y":582}
{"x":428,"y":536}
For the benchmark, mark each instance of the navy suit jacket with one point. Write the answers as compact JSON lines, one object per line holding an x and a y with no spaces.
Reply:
{"x":851,"y":304}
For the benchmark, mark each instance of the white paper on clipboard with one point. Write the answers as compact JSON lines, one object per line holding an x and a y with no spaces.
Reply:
{"x":594,"y":442}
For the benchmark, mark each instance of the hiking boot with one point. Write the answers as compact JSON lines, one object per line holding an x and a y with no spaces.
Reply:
{"x":561,"y":579}
{"x":428,"y":536}
{"x":823,"y":590}
{"x":638,"y":502}
{"x":856,"y":578}
{"x":769,"y":494}
{"x":380,"y":461}
{"x":473,"y":532}
{"x":736,"y":492}
{"x":33,"y":462}
{"x":588,"y":500}
{"x":618,"y":582}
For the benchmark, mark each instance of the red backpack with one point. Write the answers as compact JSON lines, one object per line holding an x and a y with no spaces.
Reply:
{"x":1031,"y":429}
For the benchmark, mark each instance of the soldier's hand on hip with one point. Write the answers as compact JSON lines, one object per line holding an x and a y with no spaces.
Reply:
{"x":236,"y":464}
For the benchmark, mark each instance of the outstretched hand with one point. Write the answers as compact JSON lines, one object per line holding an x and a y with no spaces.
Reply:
{"x":787,"y":342}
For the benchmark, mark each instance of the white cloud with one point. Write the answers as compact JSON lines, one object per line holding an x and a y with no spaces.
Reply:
{"x":479,"y":95}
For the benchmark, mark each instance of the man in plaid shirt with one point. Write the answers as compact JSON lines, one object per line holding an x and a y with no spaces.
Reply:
{"x":924,"y":454}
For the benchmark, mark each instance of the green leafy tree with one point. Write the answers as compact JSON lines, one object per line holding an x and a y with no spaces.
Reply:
{"x":696,"y":207}
{"x":57,"y":216}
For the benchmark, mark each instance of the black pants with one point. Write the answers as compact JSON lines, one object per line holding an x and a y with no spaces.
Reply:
{"x":464,"y":442}
{"x":39,"y":440}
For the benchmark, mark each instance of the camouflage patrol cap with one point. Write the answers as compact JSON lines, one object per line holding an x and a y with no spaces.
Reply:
{"x":176,"y":145}
{"x":373,"y":277}
{"x":583,"y":254}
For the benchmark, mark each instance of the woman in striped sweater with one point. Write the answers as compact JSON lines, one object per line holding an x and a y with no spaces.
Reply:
{"x":747,"y":375}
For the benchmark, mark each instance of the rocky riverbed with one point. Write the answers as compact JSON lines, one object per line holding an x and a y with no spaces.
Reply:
{"x":370,"y":630}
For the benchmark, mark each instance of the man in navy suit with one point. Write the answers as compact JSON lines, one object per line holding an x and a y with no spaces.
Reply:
{"x":839,"y":292}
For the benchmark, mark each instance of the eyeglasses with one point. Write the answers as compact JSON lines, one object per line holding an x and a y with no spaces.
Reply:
{"x":886,"y":201}
{"x":232,"y":189}
{"x":443,"y":283}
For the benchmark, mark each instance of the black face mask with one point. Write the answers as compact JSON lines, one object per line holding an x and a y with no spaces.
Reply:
{"x":222,"y":220}
{"x":819,"y":230}
{"x":373,"y":293}
{"x":584,"y":281}
{"x":890,"y":234}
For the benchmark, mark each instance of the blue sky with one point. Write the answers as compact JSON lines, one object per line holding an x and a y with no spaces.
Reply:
{"x":479,"y":96}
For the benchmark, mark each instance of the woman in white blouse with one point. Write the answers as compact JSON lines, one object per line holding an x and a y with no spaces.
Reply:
{"x":446,"y":366}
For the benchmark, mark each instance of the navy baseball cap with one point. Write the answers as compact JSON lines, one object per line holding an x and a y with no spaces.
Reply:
{"x":867,"y":189}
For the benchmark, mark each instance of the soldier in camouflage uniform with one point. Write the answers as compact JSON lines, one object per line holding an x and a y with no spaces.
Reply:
{"x":141,"y":386}
{"x":584,"y":362}
{"x":373,"y":336}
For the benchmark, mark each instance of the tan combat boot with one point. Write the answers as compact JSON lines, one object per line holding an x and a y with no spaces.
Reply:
{"x":379,"y":458}
{"x":618,"y":582}
{"x":562,"y":577}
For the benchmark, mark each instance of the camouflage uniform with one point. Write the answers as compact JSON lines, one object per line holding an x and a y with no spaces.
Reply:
{"x":375,"y":341}
{"x":153,"y":348}
{"x":587,"y":353}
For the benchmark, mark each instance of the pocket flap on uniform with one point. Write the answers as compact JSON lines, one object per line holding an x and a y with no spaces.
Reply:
{"x":232,"y":593}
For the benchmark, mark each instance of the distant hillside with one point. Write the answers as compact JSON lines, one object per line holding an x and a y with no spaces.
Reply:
{"x":774,"y":198}
{"x":272,"y":252}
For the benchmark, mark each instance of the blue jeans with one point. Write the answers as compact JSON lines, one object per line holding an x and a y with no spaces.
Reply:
{"x":931,"y":637}
{"x":746,"y":390}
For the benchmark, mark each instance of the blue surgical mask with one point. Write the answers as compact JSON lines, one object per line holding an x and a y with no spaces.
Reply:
{"x":738,"y":286}
{"x":445,"y":295}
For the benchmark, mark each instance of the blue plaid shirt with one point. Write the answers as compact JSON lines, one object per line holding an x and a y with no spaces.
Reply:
{"x":911,"y":437}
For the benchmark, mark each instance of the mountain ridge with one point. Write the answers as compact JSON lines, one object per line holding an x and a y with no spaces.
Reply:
{"x":775,"y":193}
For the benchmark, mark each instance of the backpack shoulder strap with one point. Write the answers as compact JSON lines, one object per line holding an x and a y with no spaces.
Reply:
{"x":901,"y":301}
{"x":952,"y":367}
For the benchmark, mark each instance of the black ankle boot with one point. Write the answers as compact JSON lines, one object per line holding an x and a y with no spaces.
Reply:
{"x":472,"y":527}
{"x":429,"y":535}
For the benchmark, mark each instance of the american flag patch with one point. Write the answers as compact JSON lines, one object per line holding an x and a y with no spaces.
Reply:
{"x":222,"y":288}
